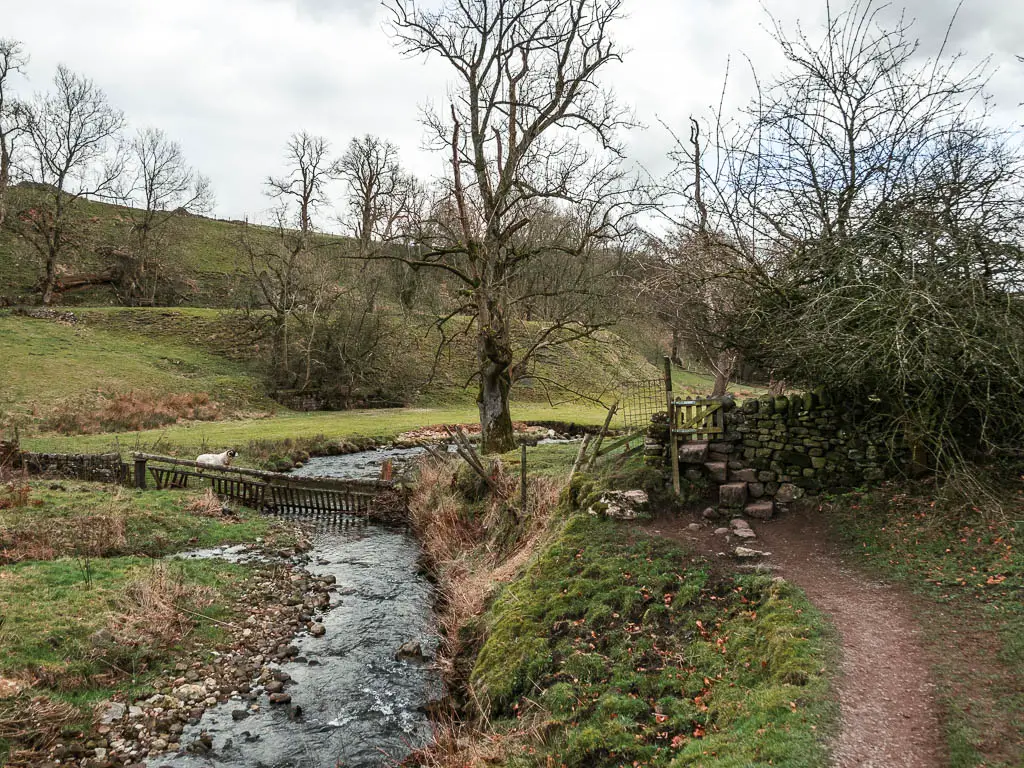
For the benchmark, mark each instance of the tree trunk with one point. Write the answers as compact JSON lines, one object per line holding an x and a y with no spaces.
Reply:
{"x":495,"y":356}
{"x":725,"y":366}
{"x":5,"y":178}
{"x":495,"y":417}
{"x":49,"y":284}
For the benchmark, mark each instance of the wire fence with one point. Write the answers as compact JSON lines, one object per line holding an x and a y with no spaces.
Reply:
{"x":641,"y":399}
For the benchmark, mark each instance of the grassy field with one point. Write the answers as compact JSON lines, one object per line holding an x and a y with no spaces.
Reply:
{"x":51,"y":367}
{"x":966,"y":573}
{"x":88,"y":608}
{"x":117,"y":371}
{"x":383,"y":424}
{"x":207,"y":250}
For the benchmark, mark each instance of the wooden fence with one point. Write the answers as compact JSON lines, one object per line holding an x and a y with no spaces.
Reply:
{"x":271,"y":491}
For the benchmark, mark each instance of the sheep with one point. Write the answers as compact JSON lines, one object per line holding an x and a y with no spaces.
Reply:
{"x":217,"y":459}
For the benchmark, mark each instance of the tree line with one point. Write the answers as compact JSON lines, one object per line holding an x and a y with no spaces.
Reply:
{"x":856,"y":225}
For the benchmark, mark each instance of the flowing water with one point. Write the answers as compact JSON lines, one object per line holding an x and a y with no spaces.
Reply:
{"x":360,"y":706}
{"x":364,"y":465}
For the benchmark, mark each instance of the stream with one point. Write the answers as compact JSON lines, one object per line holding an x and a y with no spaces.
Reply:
{"x":360,"y":706}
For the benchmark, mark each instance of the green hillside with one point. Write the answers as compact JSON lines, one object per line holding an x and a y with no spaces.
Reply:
{"x":208,"y":251}
{"x":117,"y":369}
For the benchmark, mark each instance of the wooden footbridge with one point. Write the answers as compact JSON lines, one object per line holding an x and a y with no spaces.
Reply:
{"x":275,"y":492}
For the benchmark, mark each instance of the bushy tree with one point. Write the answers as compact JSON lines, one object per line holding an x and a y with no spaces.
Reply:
{"x":878,"y":215}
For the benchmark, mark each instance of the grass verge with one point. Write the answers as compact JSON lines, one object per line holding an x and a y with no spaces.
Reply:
{"x":86,"y":612}
{"x":967,"y":571}
{"x":577,"y":641}
{"x":619,"y":649}
{"x":379,"y":424}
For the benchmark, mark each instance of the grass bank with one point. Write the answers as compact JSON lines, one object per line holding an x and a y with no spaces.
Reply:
{"x":380,"y":424}
{"x":54,"y":371}
{"x":965,"y":568}
{"x":88,"y":611}
{"x":577,"y":641}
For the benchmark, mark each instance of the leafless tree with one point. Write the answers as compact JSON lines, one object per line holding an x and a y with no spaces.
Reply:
{"x":877,"y":216}
{"x":160,"y":186}
{"x":382,"y":204}
{"x":12,"y":61}
{"x":528,"y":127}
{"x":285,"y":262}
{"x":380,"y":195}
{"x":74,"y":153}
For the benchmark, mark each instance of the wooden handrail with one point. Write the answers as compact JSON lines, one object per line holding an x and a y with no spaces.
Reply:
{"x":271,"y":477}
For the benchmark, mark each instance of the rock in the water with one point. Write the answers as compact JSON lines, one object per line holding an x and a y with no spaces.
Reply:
{"x":621,"y":505}
{"x":274,"y":686}
{"x":280,"y":698}
{"x":239,"y":714}
{"x":410,"y":650}
{"x":317,"y":629}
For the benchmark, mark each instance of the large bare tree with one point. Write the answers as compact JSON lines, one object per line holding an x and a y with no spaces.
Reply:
{"x":380,"y":197}
{"x":529,"y":129}
{"x":160,"y":185}
{"x":74,"y":153}
{"x":12,"y":119}
{"x":284,"y":262}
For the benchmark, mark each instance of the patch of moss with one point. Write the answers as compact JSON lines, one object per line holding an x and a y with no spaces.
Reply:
{"x":631,"y":651}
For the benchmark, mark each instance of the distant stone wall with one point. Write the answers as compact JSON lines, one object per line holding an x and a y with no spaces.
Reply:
{"x":777,"y":449}
{"x":97,"y":467}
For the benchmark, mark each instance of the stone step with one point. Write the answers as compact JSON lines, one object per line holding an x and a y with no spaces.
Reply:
{"x":717,"y":470}
{"x":762,"y":510}
{"x":693,"y":453}
{"x":732,"y":495}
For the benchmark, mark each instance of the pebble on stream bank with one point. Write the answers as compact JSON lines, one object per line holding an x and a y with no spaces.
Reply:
{"x":282,"y":601}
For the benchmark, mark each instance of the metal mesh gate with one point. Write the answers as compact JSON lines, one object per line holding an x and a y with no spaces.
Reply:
{"x":640,"y":401}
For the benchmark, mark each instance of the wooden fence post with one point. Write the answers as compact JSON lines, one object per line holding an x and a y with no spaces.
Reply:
{"x":140,"y":473}
{"x":522,"y":479}
{"x":673,"y":446}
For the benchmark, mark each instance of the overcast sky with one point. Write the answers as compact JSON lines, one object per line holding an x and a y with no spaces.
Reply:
{"x":232,"y":79}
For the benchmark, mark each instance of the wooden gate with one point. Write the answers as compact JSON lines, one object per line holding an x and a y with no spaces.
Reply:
{"x":689,"y":419}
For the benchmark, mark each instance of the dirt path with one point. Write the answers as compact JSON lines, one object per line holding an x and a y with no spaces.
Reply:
{"x":889,"y":716}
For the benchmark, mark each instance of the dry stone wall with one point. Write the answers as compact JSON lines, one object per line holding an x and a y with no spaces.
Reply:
{"x":778,"y":449}
{"x":100,"y":467}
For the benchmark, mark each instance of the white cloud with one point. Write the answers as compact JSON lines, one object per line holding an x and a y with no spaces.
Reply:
{"x":232,"y":79}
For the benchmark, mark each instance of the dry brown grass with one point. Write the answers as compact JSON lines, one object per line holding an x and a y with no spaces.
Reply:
{"x":157,"y":608}
{"x":34,"y":724}
{"x":128,"y":412}
{"x":15,"y":493}
{"x":469,"y":561}
{"x":207,"y":505}
{"x":456,"y":745}
{"x":100,"y":534}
